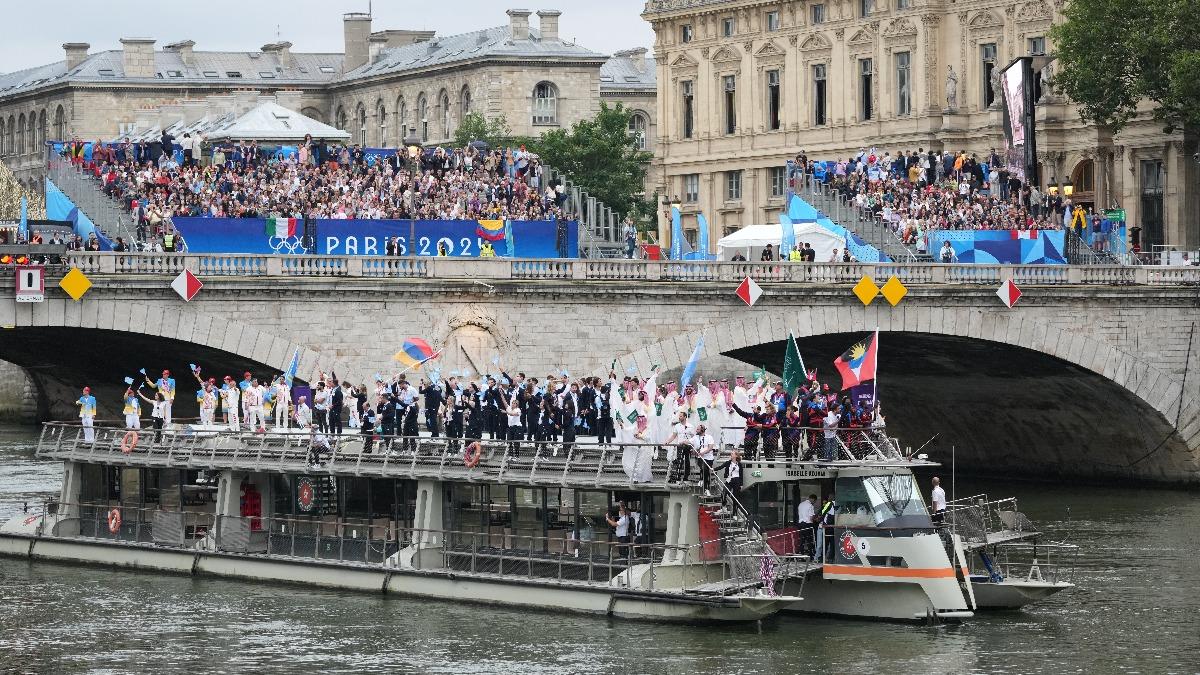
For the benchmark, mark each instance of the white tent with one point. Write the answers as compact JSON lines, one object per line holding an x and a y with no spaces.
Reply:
{"x":752,"y":239}
{"x":273,"y":122}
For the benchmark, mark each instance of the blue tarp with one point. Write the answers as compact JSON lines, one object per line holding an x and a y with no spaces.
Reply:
{"x":463,"y":238}
{"x":60,"y":207}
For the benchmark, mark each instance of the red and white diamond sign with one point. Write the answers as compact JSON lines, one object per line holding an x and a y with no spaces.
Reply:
{"x":1008,"y":293}
{"x":749,"y":291}
{"x":186,"y":285}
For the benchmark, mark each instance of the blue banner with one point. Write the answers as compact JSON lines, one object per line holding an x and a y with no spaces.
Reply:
{"x":461,"y":238}
{"x":1005,"y":247}
{"x":60,"y":207}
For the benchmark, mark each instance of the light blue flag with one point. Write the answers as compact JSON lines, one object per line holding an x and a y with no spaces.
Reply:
{"x":25,"y":218}
{"x":787,"y":240}
{"x":702,"y":235}
{"x":293,"y":366}
{"x":676,"y":234}
{"x":508,"y":238}
{"x":689,"y":371}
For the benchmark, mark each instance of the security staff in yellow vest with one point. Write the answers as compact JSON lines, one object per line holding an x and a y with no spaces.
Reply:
{"x":486,"y":250}
{"x":169,"y":242}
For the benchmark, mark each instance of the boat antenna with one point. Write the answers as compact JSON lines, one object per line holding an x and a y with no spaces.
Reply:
{"x":925,"y":444}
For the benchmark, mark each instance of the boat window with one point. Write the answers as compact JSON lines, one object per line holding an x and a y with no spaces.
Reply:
{"x":529,"y":513}
{"x":354,"y":492}
{"x":892,"y":500}
{"x":593,"y":506}
{"x":131,"y":488}
{"x":93,"y":484}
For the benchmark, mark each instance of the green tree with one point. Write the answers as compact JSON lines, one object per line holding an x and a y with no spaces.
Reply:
{"x":1112,"y":54}
{"x":475,"y":127}
{"x":602,"y":157}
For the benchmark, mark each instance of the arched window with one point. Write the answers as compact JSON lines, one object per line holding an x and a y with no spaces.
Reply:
{"x":42,"y":130}
{"x":1083,"y":177}
{"x":637,"y":128}
{"x":11,"y":143}
{"x":313,"y":113}
{"x":3,"y":137}
{"x":360,"y":115}
{"x":60,"y":124}
{"x":423,"y":118}
{"x":444,"y":104}
{"x":21,"y":135}
{"x":341,"y":118}
{"x":464,"y":103}
{"x":401,"y":119}
{"x":381,"y":119}
{"x":545,"y":103}
{"x":32,"y":131}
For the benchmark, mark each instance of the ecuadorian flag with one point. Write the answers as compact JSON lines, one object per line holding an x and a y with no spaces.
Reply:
{"x":414,"y":352}
{"x":281,"y":227}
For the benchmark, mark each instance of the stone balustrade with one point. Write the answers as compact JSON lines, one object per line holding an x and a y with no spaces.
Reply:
{"x":500,"y":269}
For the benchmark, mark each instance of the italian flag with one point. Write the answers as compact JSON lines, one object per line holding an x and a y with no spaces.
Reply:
{"x":281,"y":227}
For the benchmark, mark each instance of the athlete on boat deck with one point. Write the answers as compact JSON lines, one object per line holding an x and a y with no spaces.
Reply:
{"x":87,"y":414}
{"x":132,"y":410}
{"x":165,"y":385}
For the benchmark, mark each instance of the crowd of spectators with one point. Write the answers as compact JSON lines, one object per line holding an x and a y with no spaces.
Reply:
{"x":319,"y":180}
{"x":918,"y":191}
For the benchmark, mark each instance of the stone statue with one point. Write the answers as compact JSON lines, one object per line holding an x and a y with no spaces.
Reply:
{"x":997,"y":89}
{"x":951,"y":89}
{"x":1046,"y":76}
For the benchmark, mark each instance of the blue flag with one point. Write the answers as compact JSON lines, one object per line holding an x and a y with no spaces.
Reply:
{"x":293,"y":366}
{"x":676,"y":234}
{"x":25,"y":218}
{"x":787,"y":241}
{"x":129,"y":381}
{"x":702,"y":234}
{"x":508,"y":239}
{"x":689,"y":371}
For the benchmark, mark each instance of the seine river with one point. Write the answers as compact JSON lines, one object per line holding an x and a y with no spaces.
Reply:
{"x":1136,"y":610}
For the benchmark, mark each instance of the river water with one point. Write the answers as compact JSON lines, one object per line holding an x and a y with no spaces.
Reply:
{"x":1136,"y":610}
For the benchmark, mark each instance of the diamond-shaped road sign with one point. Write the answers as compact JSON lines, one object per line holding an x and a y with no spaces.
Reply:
{"x":75,"y":283}
{"x":1008,"y":293}
{"x":749,"y":291}
{"x":186,"y":285}
{"x":894,"y":290}
{"x":866,"y":290}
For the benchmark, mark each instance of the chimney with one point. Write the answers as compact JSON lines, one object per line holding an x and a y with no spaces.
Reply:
{"x":184,"y":49}
{"x":357,"y":26}
{"x":283,"y":50}
{"x":376,"y":45}
{"x":138,"y":57}
{"x":548,"y":24}
{"x":77,"y":53}
{"x":637,"y":55}
{"x":518,"y":22}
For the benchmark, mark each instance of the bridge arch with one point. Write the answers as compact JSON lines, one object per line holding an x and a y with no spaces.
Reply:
{"x":98,"y":342}
{"x":1111,"y":382}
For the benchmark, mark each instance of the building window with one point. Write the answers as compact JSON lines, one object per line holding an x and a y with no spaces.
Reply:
{"x":819,"y":95}
{"x":341,"y":120}
{"x":685,"y":32}
{"x":637,"y":129}
{"x":691,"y":188}
{"x":865,"y":7}
{"x":689,"y":100}
{"x":902,"y":4}
{"x":773,"y":100}
{"x":381,"y":119}
{"x":444,"y":104}
{"x":402,"y":119}
{"x":1037,"y":45}
{"x":773,"y":21}
{"x":818,"y":13}
{"x":733,"y":186}
{"x":423,"y":117}
{"x":865,"y":89}
{"x":545,"y":103}
{"x":903,"y":84}
{"x":464,"y":103}
{"x":1151,"y":216}
{"x":730,"y":91}
{"x":361,"y":114}
{"x":987,"y":54}
{"x":728,"y":27}
{"x":778,"y":178}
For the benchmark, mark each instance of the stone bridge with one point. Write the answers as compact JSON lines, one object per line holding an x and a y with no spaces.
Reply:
{"x":1090,"y":376}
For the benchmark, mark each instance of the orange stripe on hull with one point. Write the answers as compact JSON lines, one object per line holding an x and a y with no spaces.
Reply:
{"x":898,"y":572}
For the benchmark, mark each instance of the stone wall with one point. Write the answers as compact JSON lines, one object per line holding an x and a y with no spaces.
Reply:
{"x":18,"y":397}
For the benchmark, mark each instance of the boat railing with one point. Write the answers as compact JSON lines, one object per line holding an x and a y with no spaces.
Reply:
{"x":978,"y":519}
{"x":1029,"y":562}
{"x":853,"y":443}
{"x":712,"y":567}
{"x":533,"y":462}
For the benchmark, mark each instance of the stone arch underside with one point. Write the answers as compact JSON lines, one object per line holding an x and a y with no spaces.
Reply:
{"x":92,"y":346}
{"x":1011,"y":395}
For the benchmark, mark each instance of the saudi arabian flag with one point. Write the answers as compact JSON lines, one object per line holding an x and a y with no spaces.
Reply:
{"x":794,"y":373}
{"x":281,"y":227}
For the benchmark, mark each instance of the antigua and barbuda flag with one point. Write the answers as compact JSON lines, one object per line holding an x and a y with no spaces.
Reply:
{"x":858,"y":363}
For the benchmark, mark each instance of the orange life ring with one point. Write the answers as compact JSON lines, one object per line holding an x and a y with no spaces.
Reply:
{"x":129,"y":441}
{"x":472,"y":455}
{"x":114,"y":520}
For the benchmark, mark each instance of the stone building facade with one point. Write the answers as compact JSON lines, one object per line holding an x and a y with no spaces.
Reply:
{"x":745,"y":85}
{"x":385,"y":87}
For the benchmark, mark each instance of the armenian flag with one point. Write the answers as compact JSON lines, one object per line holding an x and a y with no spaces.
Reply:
{"x":858,"y":363}
{"x":414,"y":352}
{"x":281,"y":227}
{"x":492,"y":230}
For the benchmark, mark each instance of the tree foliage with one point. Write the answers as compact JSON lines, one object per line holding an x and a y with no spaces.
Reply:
{"x":475,"y":127}
{"x":602,"y":157}
{"x":1112,"y":54}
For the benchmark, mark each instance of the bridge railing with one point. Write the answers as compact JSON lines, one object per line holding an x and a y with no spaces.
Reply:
{"x":499,"y":269}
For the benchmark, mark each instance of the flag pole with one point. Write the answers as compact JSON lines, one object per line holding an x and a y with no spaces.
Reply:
{"x":875,"y":371}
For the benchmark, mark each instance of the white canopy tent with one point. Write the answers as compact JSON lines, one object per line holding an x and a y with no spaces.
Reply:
{"x":273,"y":122}
{"x":752,"y":239}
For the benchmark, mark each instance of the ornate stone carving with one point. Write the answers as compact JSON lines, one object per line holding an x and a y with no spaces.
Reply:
{"x":815,"y":42}
{"x":769,"y":49}
{"x":900,"y":28}
{"x":839,"y":33}
{"x":984,"y":19}
{"x":726,"y":54}
{"x":704,"y":52}
{"x":862,"y":37}
{"x":748,"y":46}
{"x":951,"y":89}
{"x":1032,"y":11}
{"x":997,"y":88}
{"x":793,"y":39}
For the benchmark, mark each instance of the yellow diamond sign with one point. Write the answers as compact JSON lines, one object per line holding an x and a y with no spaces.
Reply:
{"x":75,"y":283}
{"x":894,"y":291}
{"x":866,"y":290}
